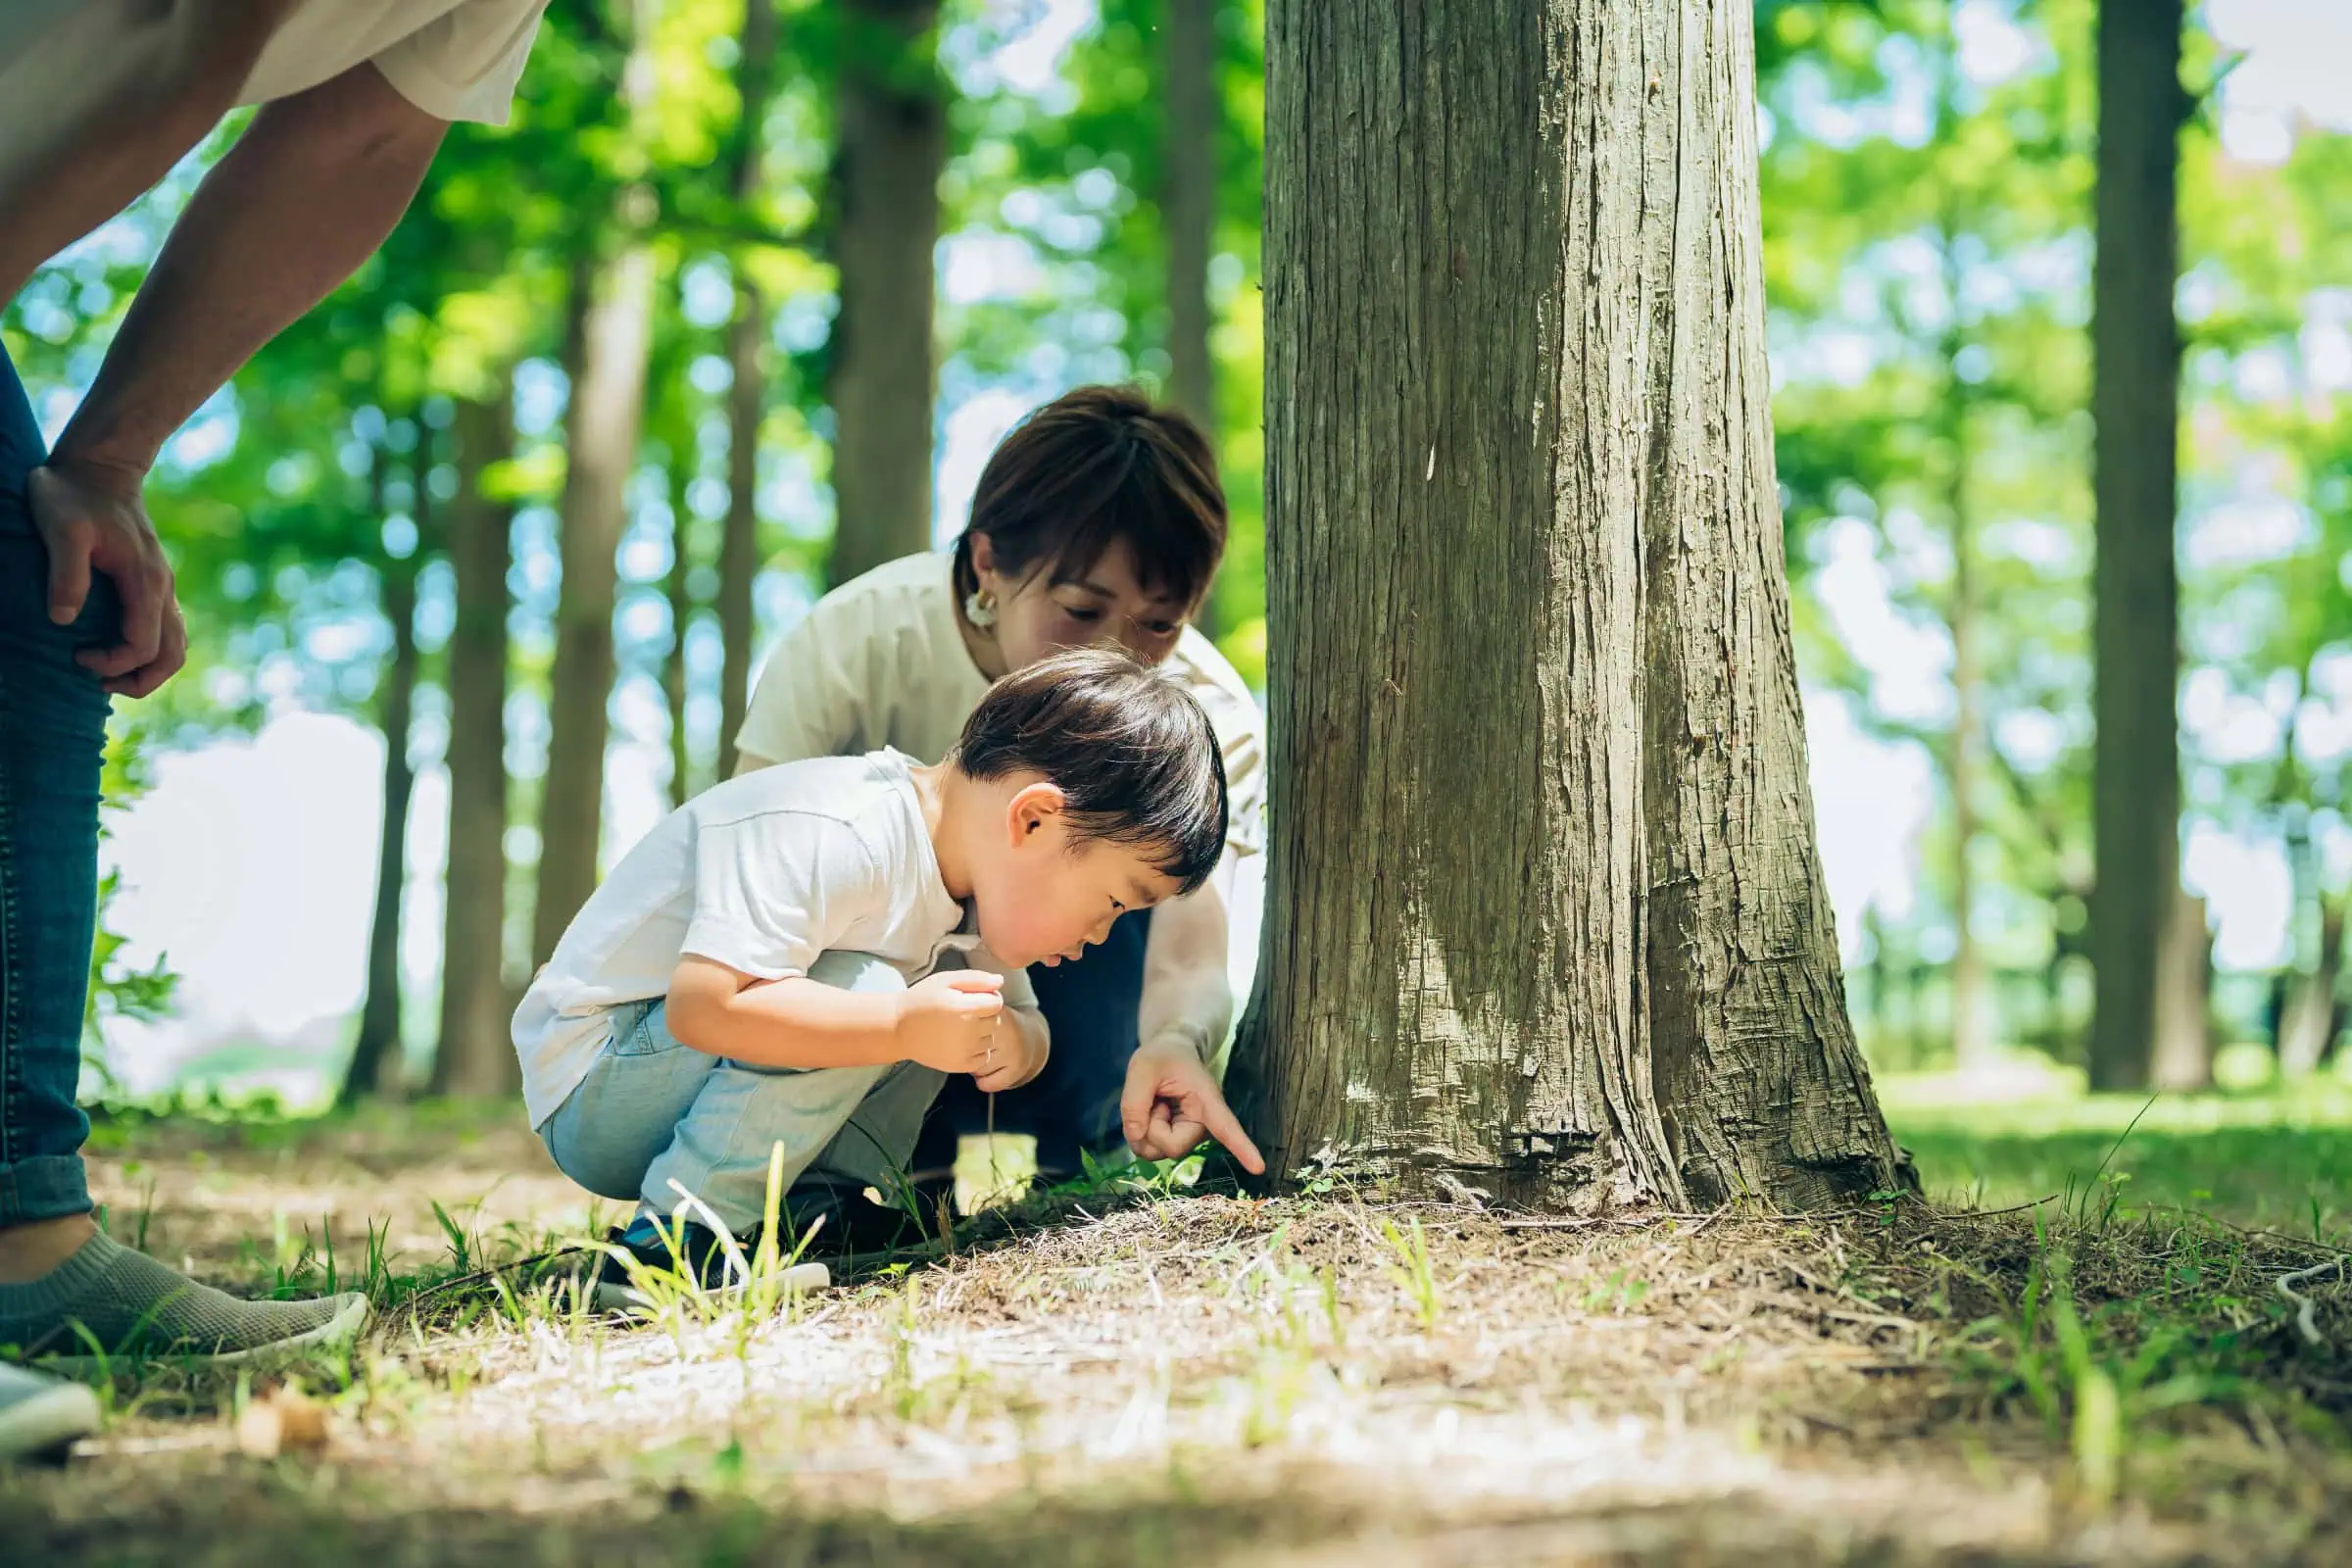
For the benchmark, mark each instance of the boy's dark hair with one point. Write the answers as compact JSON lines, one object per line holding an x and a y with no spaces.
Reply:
{"x":1095,"y":465}
{"x":1132,"y":749}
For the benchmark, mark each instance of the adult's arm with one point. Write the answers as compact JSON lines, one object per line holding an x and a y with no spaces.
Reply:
{"x":98,"y":100}
{"x":1188,"y":997}
{"x":307,"y":194}
{"x":1171,"y":1100}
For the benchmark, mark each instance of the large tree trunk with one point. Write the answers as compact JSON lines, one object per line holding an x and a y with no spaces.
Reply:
{"x":473,"y":1055}
{"x":2134,"y":396}
{"x":891,"y":149}
{"x":375,"y":1065}
{"x":746,"y":336}
{"x":608,"y":404}
{"x":1547,"y":916}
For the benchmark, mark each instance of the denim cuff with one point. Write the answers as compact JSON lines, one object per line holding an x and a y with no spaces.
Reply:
{"x":45,"y":1187}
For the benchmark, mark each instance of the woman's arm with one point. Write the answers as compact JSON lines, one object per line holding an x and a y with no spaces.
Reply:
{"x":1188,"y":999}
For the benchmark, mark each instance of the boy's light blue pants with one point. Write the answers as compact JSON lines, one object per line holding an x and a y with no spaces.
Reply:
{"x":653,"y":1112}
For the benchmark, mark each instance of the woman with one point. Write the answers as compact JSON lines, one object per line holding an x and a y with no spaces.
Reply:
{"x":1099,"y":518}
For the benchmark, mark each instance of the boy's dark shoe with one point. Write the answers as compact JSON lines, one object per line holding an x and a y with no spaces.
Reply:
{"x":834,"y":1220}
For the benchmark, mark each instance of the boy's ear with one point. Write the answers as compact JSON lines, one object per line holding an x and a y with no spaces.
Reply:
{"x":1032,"y":807}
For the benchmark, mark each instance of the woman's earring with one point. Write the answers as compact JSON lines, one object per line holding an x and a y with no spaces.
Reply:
{"x":980,"y":609}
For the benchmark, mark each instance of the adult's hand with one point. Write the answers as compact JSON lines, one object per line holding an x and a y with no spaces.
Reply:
{"x":90,"y":516}
{"x":1171,"y":1103}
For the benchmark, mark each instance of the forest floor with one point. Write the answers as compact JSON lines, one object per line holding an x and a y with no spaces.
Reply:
{"x":1153,"y":1376}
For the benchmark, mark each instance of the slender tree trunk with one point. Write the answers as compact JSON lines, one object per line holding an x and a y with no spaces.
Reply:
{"x":746,"y":336}
{"x":892,"y":147}
{"x":473,"y":1055}
{"x":681,"y":619}
{"x":1188,"y":209}
{"x":1973,"y":1001}
{"x":375,"y":1065}
{"x":1972,"y":1010}
{"x":2311,"y":1016}
{"x":2135,"y":405}
{"x":607,"y":405}
{"x":1189,"y":205}
{"x":739,"y":542}
{"x":2181,"y":1059}
{"x":1546,"y":914}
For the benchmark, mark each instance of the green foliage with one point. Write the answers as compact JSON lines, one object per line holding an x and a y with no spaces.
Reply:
{"x":2267,"y":593}
{"x":1413,"y":1271}
{"x":2279,"y":1160}
{"x":118,"y":987}
{"x":1927,"y":255}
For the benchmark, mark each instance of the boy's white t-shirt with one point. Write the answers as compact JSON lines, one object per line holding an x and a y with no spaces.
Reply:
{"x":881,"y":661}
{"x":761,"y":874}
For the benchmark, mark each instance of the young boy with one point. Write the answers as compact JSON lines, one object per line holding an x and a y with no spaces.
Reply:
{"x":804,"y":955}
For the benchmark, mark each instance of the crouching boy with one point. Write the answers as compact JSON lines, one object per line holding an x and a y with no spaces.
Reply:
{"x":801,"y":956}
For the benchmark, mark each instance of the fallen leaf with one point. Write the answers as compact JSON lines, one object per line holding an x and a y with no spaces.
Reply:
{"x":282,"y":1421}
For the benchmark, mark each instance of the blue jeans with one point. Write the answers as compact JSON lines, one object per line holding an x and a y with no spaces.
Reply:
{"x":653,"y":1112}
{"x":1091,"y":1007}
{"x":52,"y":742}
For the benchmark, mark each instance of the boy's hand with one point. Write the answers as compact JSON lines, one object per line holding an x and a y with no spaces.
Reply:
{"x":1021,"y":1052}
{"x":953,"y":1021}
{"x":1171,"y":1103}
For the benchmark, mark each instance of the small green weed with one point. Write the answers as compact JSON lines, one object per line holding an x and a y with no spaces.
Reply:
{"x":1413,"y":1270}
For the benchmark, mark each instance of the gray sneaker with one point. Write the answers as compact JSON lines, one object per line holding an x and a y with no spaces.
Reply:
{"x":108,"y":1304}
{"x":42,"y":1416}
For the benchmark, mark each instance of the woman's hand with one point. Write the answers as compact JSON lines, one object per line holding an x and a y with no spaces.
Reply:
{"x":1171,"y":1103}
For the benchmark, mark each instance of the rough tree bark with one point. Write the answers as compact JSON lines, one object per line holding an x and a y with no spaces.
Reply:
{"x":2136,"y":358}
{"x":607,"y":405}
{"x":473,"y":1055}
{"x":1547,"y":916}
{"x":890,"y":147}
{"x":375,"y":1065}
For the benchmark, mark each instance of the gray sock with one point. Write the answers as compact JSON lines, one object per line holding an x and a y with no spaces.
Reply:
{"x":108,"y":1300}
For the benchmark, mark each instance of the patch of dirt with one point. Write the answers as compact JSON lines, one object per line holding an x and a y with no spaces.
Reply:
{"x":1207,"y":1380}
